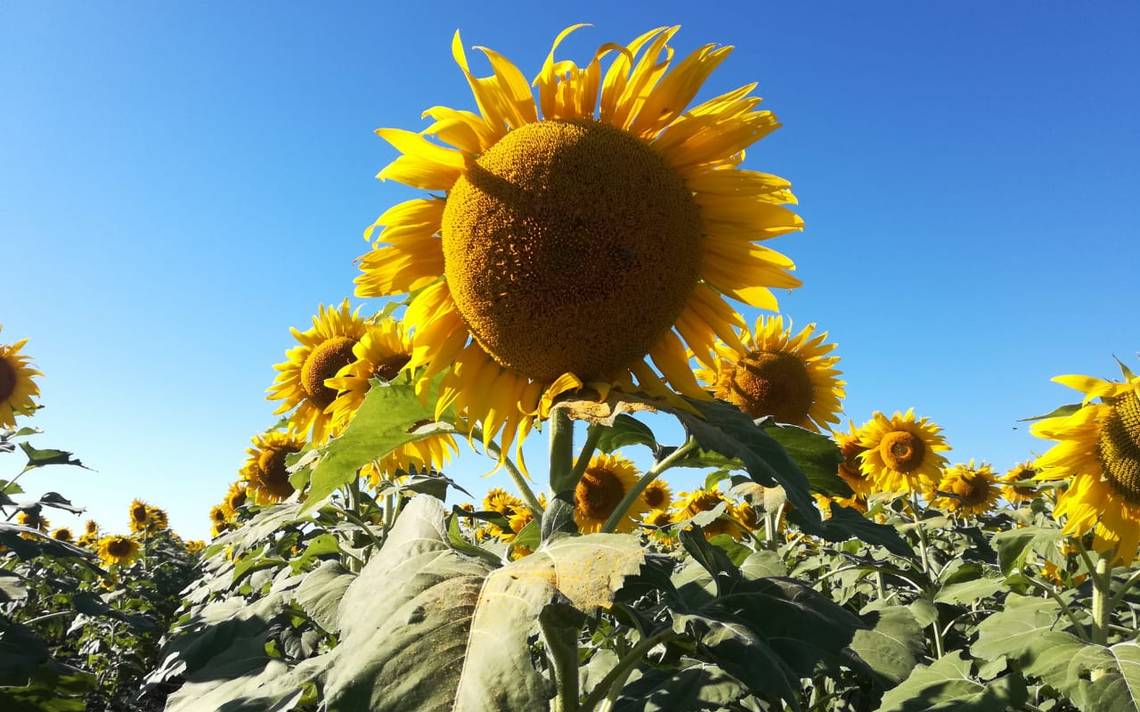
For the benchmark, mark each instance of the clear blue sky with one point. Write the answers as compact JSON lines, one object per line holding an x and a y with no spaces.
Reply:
{"x":181,"y":182}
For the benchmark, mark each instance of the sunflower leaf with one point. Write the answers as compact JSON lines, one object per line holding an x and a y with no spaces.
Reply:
{"x":625,"y":431}
{"x":42,"y":458}
{"x":949,"y":684}
{"x":390,"y":416}
{"x":817,"y":455}
{"x":1057,"y":412}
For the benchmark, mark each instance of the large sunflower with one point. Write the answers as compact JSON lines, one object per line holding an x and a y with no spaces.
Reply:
{"x":382,"y":353}
{"x":264,"y":471}
{"x":549,"y":233}
{"x":902,"y":452}
{"x":790,"y":377}
{"x":1099,"y":454}
{"x":17,"y":384}
{"x":973,"y":489}
{"x":605,"y":482}
{"x":325,"y":349}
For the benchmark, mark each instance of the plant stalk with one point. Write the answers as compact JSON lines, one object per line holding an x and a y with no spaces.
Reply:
{"x":609,"y":685}
{"x":1101,"y":610}
{"x":639,"y":486}
{"x":561,"y":452}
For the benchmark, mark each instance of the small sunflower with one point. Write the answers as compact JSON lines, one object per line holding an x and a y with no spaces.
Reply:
{"x":17,"y":384}
{"x":63,"y":534}
{"x":325,"y":349}
{"x":605,"y":482}
{"x":158,"y":519}
{"x":33,"y":519}
{"x":690,"y":504}
{"x":656,"y":522}
{"x":974,"y":489}
{"x":90,"y":527}
{"x":264,"y":471}
{"x":902,"y":452}
{"x":235,"y":498}
{"x":195,"y":546}
{"x":219,"y":520}
{"x":502,"y":502}
{"x":849,"y":469}
{"x":118,"y":550}
{"x":825,"y":503}
{"x":617,"y":180}
{"x":657,"y":495}
{"x":1019,"y":486}
{"x":138,"y":516}
{"x":747,"y":515}
{"x":1098,"y":453}
{"x":790,"y":377}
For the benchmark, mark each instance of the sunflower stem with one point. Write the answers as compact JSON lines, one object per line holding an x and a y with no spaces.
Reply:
{"x":639,"y":486}
{"x":517,"y":477}
{"x":593,"y":434}
{"x":1080,"y":629}
{"x":615,"y":678}
{"x":1101,"y":610}
{"x":561,"y":452}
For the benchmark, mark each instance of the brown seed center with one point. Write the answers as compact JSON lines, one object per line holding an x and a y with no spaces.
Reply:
{"x":902,"y":451}
{"x":7,"y":379}
{"x":1118,"y":448}
{"x":851,"y":450}
{"x":390,"y":367}
{"x":324,"y":362}
{"x":598,"y":493}
{"x":272,"y":474}
{"x":570,"y":246}
{"x":775,"y":384}
{"x":654,"y":497}
{"x":119,"y":546}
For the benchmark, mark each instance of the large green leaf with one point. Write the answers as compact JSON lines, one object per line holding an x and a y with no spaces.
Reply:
{"x":1030,"y":631}
{"x":892,"y":646}
{"x":390,"y":416}
{"x":1014,"y":545}
{"x":426,"y":627}
{"x":41,"y":458}
{"x":692,"y":686}
{"x":626,"y":430}
{"x":321,"y":591}
{"x":273,"y":688}
{"x":948,"y":685}
{"x":817,"y":455}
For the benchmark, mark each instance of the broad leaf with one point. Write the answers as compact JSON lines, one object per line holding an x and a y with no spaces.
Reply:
{"x":425,"y":627}
{"x":693,"y":686}
{"x":321,"y":591}
{"x":626,"y":430}
{"x":1014,"y":545}
{"x":390,"y":416}
{"x":893,"y":644}
{"x":42,"y":458}
{"x":817,"y":455}
{"x":948,"y":685}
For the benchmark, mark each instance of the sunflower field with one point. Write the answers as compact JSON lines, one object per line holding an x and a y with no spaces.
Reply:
{"x":817,"y":564}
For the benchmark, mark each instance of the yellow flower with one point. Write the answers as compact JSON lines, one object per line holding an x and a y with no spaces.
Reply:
{"x":219,"y":520}
{"x":382,"y":353}
{"x":790,"y":377}
{"x":605,"y":482}
{"x":504,"y":503}
{"x":324,"y":350}
{"x":32,"y":519}
{"x":264,"y":471}
{"x":17,"y":384}
{"x":975,"y":489}
{"x":63,"y":534}
{"x":657,"y":495}
{"x":747,"y":515}
{"x":656,"y":521}
{"x":118,"y":550}
{"x":552,"y":232}
{"x":145,"y":518}
{"x":195,"y":546}
{"x":825,"y":503}
{"x":1098,"y":453}
{"x":1019,"y":485}
{"x":90,"y":527}
{"x":690,"y":504}
{"x":902,"y":452}
{"x":236,"y":496}
{"x":849,"y":469}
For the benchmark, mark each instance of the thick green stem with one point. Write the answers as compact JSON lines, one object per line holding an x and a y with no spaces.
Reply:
{"x":593,"y":434}
{"x":561,"y":452}
{"x":1080,"y":629}
{"x":1101,"y":610}
{"x":562,"y":648}
{"x":639,"y":486}
{"x":612,"y":683}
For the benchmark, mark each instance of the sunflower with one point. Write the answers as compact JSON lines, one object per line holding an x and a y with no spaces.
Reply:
{"x":974,"y":489}
{"x":605,"y":482}
{"x":90,"y":527}
{"x":17,"y":384}
{"x":690,"y":504}
{"x":195,"y":546}
{"x":500,"y":501}
{"x":1019,"y":485}
{"x":1098,"y":453}
{"x":33,"y":519}
{"x":118,"y":550}
{"x":747,"y":515}
{"x":550,"y":232}
{"x":657,"y":495}
{"x":219,"y":520}
{"x":902,"y":452}
{"x":825,"y":503}
{"x":849,"y":469}
{"x":158,"y":519}
{"x":236,"y":496}
{"x":788,"y":376}
{"x":146,"y":518}
{"x":63,"y":534}
{"x":657,"y":522}
{"x":264,"y":471}
{"x":325,"y":349}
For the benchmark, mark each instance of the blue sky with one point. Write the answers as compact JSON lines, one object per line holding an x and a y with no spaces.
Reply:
{"x":180,"y":183}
